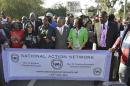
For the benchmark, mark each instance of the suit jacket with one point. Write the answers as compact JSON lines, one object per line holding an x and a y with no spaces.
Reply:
{"x":37,"y":24}
{"x":82,"y":37}
{"x":61,"y":39}
{"x":97,"y":31}
{"x":112,"y":34}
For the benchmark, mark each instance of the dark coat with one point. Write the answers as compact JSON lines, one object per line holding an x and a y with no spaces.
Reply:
{"x":112,"y":34}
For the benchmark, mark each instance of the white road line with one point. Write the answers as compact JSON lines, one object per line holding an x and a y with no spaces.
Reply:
{"x":31,"y":83}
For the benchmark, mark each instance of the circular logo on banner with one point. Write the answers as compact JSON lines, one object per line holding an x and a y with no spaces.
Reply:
{"x":15,"y":58}
{"x":97,"y":71}
{"x":57,"y":64}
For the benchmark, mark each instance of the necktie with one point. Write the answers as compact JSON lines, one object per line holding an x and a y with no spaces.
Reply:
{"x":103,"y":26}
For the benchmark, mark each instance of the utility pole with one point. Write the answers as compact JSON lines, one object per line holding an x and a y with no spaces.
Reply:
{"x":125,"y":9}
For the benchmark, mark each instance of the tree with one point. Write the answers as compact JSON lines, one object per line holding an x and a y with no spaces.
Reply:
{"x":121,"y":11}
{"x":19,"y":8}
{"x":106,"y":4}
{"x":92,"y":11}
{"x":58,"y":9}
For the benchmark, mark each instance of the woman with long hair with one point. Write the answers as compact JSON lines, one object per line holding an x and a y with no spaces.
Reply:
{"x":30,"y":39}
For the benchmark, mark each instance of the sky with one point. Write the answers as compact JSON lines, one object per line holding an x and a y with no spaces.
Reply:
{"x":50,"y":3}
{"x":84,"y":3}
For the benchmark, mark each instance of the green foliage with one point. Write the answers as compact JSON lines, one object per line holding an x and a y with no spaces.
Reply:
{"x":128,"y":7}
{"x":121,"y":11}
{"x":19,"y":8}
{"x":104,"y":4}
{"x":58,"y":9}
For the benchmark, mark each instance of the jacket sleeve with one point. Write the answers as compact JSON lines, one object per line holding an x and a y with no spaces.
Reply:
{"x":117,"y":43}
{"x":70,"y":36}
{"x":85,"y":36}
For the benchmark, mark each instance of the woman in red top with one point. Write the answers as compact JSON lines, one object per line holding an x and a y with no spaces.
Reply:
{"x":16,"y":36}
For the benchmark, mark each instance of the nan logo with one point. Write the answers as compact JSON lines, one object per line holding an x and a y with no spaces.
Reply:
{"x":57,"y":64}
{"x":15,"y":58}
{"x":97,"y":71}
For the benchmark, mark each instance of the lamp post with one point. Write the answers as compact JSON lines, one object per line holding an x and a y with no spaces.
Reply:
{"x":108,"y":5}
{"x":124,"y":15}
{"x":99,"y":9}
{"x":125,"y":4}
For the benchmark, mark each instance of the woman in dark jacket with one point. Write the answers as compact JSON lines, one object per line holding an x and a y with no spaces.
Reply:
{"x":30,"y":39}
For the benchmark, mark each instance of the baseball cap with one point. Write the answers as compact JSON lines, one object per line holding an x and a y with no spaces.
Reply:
{"x":49,"y":14}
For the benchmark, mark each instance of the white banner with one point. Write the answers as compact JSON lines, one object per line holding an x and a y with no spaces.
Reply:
{"x":27,"y":64}
{"x":73,"y":6}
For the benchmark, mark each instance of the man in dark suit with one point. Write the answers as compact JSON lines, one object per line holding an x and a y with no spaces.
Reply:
{"x":108,"y":32}
{"x":35,"y":22}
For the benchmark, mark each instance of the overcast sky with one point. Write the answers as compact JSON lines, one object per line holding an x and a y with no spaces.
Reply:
{"x":50,"y":3}
{"x":83,"y":3}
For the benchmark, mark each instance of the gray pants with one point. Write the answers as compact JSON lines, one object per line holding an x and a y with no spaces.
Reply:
{"x":123,"y":74}
{"x":2,"y":82}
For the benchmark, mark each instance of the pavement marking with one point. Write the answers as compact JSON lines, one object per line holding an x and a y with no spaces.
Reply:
{"x":31,"y":83}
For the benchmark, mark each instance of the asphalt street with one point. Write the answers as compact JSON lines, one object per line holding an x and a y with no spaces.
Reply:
{"x":51,"y":83}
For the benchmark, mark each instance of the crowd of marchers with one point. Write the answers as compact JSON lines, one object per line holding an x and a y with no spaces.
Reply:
{"x":70,"y":32}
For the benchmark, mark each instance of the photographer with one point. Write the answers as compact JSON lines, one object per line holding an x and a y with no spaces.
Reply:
{"x":46,"y":35}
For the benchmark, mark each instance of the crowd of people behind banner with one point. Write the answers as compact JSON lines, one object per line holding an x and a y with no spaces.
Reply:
{"x":76,"y":33}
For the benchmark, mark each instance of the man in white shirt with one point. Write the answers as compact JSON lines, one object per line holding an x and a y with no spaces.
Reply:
{"x":61,"y":34}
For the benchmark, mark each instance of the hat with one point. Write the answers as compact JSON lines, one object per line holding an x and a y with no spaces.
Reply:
{"x":49,"y":14}
{"x":32,"y":14}
{"x":24,"y":18}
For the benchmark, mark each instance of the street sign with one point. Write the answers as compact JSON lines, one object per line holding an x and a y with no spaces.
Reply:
{"x":73,"y":6}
